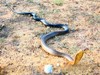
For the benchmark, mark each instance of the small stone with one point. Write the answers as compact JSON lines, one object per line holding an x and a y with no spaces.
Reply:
{"x":98,"y":64}
{"x":58,"y":64}
{"x":48,"y":69}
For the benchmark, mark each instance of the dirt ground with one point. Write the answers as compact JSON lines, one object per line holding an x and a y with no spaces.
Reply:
{"x":20,"y":49}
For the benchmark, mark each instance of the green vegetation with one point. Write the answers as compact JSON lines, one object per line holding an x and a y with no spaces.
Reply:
{"x":56,"y":11}
{"x":30,"y":1}
{"x":94,"y":19}
{"x":2,"y":40}
{"x":58,"y":2}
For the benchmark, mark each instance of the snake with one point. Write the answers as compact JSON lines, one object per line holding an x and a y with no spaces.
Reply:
{"x":44,"y":38}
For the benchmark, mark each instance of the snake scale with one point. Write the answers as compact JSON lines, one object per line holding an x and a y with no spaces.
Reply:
{"x":49,"y":35}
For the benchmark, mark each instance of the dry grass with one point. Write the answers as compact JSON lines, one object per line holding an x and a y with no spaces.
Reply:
{"x":21,"y":52}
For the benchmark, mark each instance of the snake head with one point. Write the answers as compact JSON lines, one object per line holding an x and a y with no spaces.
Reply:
{"x":78,"y":57}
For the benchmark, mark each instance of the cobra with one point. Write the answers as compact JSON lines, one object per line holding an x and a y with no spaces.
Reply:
{"x":46,"y":37}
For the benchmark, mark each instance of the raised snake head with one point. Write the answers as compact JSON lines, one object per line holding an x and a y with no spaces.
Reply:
{"x":78,"y":57}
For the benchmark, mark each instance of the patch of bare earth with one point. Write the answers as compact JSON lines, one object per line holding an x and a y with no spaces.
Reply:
{"x":20,"y":50}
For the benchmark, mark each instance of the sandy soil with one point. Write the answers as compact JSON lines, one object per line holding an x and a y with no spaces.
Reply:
{"x":20,"y":48}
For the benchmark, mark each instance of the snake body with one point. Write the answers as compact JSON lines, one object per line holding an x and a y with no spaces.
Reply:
{"x":47,"y":36}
